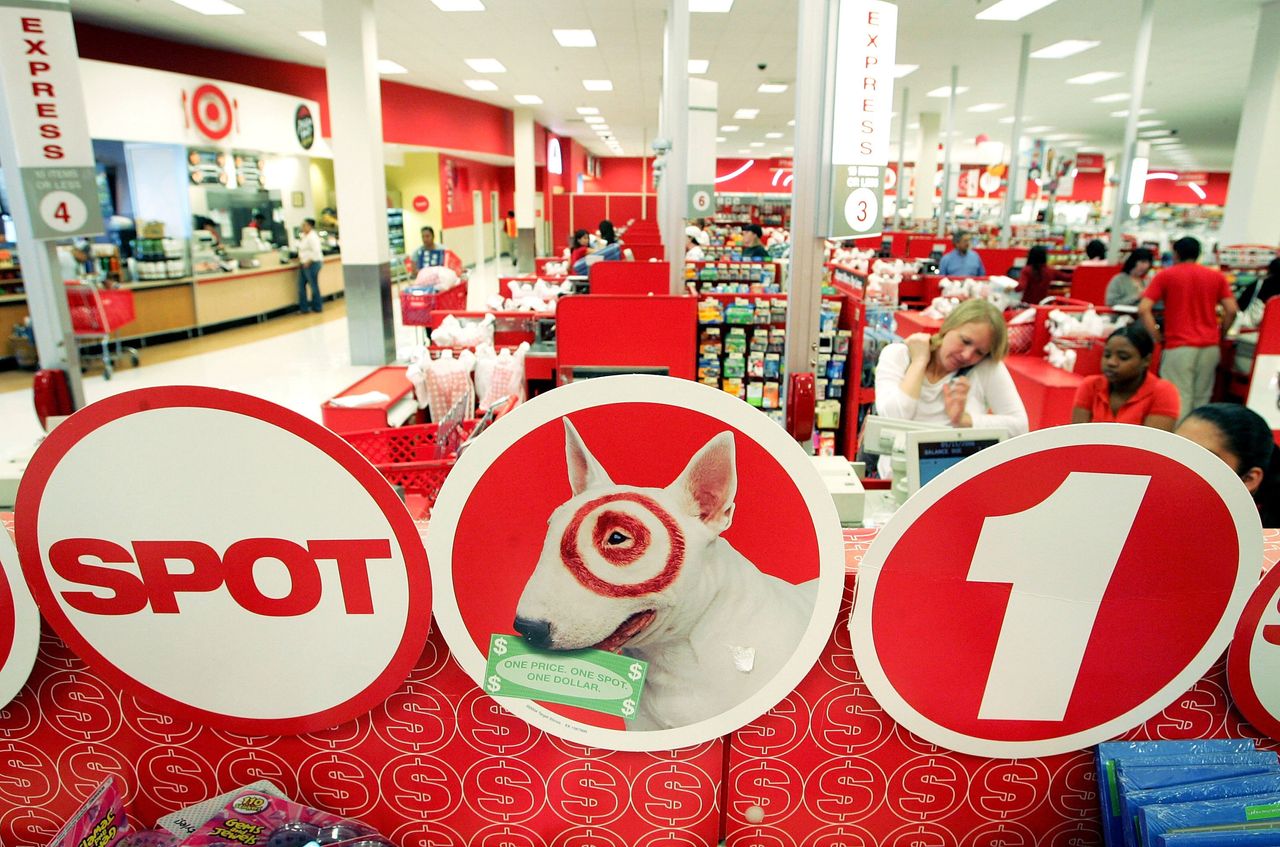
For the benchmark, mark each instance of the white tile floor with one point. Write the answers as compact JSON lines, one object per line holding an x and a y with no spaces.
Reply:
{"x":297,"y":370}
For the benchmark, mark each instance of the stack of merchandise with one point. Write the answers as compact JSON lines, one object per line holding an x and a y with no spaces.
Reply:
{"x":254,"y":816}
{"x":740,"y":349}
{"x":1077,"y":339}
{"x":725,"y":277}
{"x":1188,"y":793}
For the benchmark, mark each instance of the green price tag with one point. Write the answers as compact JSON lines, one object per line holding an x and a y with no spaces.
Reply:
{"x":1262,"y":813}
{"x":590,"y":679}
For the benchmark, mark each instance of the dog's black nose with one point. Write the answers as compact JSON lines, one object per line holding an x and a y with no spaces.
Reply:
{"x":537,"y":633}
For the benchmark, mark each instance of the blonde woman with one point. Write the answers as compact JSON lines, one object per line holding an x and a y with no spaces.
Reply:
{"x":955,"y":378}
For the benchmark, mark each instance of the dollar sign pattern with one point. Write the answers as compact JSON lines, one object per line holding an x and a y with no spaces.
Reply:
{"x":396,"y":766}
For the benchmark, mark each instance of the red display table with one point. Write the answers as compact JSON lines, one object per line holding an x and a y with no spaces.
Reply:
{"x":440,"y":763}
{"x":1046,"y":391}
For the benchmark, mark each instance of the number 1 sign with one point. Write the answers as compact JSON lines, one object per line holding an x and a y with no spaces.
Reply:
{"x":1055,"y":590}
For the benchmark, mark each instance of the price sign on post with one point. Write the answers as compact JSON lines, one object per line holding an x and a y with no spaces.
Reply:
{"x":264,"y":578}
{"x":43,"y":120}
{"x":1055,"y":590}
{"x":1253,"y":668}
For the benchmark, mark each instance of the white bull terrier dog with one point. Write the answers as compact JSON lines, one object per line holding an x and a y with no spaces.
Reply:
{"x":644,"y":572}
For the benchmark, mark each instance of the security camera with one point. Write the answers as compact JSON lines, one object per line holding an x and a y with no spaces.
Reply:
{"x":661,"y":145}
{"x":762,"y":65}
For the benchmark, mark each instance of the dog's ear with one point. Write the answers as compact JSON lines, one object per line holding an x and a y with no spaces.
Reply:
{"x":708,"y":484}
{"x":584,"y":471}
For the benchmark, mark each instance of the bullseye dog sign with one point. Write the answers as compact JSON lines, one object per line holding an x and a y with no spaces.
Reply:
{"x":262,"y":577}
{"x":637,"y":563}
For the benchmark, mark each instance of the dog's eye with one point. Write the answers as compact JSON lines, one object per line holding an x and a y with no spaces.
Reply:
{"x":616,"y":537}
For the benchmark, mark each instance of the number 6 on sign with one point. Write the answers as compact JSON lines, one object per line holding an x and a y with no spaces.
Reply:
{"x":1059,"y":557}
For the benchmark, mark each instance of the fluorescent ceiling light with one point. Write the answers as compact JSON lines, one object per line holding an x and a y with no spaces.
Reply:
{"x":744,"y":152}
{"x":601,"y":128}
{"x":720,"y":6}
{"x":788,"y":149}
{"x":386,"y":66}
{"x":1011,"y":10}
{"x":315,"y":36}
{"x":729,"y":128}
{"x":1063,"y":49}
{"x":985,"y":107}
{"x":1166,"y":142}
{"x":1124,"y":113}
{"x":486,"y":66}
{"x":575,"y":37}
{"x":588,"y":110}
{"x":480,"y":84}
{"x":1094,"y":78}
{"x":899,"y":71}
{"x":791,"y":122}
{"x":915,"y":125}
{"x":756,"y":144}
{"x":594,"y":119}
{"x":771,"y":88}
{"x":459,"y":5}
{"x":528,"y":99}
{"x":773,"y":135}
{"x":945,"y":91}
{"x":1155,"y":133}
{"x":211,"y":7}
{"x":699,"y":66}
{"x":720,"y":139}
{"x":1118,"y":97}
{"x":597,"y":84}
{"x":1144,"y":124}
{"x":1010,"y":119}
{"x":746,"y":114}
{"x":1038,"y":129}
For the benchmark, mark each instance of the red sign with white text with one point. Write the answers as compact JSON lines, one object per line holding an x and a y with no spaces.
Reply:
{"x":263,"y":578}
{"x":1253,"y":668}
{"x":1050,"y":592}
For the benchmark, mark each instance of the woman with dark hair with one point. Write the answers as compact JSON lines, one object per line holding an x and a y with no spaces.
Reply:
{"x":1125,"y":288}
{"x":1240,"y":437}
{"x":1126,"y":391}
{"x":1036,"y":276}
{"x":579,"y":246}
{"x":607,"y":232}
{"x":1095,"y":252}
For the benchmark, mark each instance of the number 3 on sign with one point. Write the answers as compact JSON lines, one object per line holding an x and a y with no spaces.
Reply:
{"x":1059,"y":575}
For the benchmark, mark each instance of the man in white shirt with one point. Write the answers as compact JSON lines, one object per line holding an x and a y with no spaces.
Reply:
{"x":310,"y":256}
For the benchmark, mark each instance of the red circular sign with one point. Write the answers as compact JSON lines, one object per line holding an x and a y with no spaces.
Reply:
{"x":1055,"y":590}
{"x":19,"y":623}
{"x":211,"y":111}
{"x":1253,"y":667}
{"x":231,"y":588}
{"x":421,"y":203}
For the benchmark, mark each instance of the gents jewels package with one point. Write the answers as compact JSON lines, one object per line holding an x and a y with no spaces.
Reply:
{"x":1259,"y":810}
{"x":1136,"y":802}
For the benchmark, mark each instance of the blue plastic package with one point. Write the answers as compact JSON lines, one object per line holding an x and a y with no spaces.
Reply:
{"x":1230,"y":838}
{"x":1260,"y":809}
{"x":1135,"y":802}
{"x":1109,"y":751}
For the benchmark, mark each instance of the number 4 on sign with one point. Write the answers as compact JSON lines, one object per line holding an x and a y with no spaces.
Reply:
{"x":1059,"y":557}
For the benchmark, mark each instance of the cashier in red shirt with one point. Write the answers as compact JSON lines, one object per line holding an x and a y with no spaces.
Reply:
{"x":1126,"y":391}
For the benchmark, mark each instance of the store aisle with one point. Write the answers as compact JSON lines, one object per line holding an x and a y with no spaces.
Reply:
{"x":296,"y":369}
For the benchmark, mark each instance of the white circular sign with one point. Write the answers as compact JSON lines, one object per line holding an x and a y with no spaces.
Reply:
{"x":63,"y":211}
{"x":19,"y":623}
{"x":989,"y":183}
{"x":652,"y":517}
{"x":702,"y":201}
{"x":261,"y":577}
{"x":862,"y":210}
{"x":1024,"y":602}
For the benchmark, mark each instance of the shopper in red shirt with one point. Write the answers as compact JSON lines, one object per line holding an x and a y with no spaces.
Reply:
{"x":1192,"y":328}
{"x":1126,"y":391}
{"x":1036,"y":276}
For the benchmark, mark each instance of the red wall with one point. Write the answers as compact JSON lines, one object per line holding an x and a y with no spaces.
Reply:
{"x":473,"y":176}
{"x":410,"y":115}
{"x":623,"y":175}
{"x":1170,"y":191}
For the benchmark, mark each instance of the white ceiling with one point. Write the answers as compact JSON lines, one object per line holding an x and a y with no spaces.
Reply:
{"x":1201,"y":54}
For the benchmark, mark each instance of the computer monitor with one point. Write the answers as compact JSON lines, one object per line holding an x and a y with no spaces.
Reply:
{"x":930,"y":452}
{"x":880,"y":433}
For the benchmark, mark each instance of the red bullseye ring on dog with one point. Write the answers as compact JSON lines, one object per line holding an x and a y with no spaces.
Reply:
{"x":211,"y":111}
{"x":606,"y":524}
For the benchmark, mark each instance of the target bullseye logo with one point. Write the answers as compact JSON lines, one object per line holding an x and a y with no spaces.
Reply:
{"x":1253,"y":667}
{"x":212,"y":113}
{"x":621,"y":538}
{"x":19,"y":623}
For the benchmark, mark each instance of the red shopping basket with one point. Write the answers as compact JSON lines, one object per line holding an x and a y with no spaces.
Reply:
{"x":98,"y":311}
{"x":398,"y":444}
{"x":416,"y":308}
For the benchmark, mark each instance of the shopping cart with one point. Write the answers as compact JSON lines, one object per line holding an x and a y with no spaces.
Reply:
{"x":96,"y":314}
{"x":416,"y":305}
